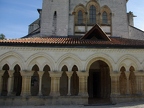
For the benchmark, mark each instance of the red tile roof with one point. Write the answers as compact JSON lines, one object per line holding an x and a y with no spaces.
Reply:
{"x":73,"y":41}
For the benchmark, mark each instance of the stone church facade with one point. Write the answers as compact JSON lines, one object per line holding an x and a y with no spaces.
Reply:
{"x":76,"y":52}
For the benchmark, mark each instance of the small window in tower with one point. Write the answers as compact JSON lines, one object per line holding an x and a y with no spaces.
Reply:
{"x":104,"y":18}
{"x":80,"y":17}
{"x":92,"y":14}
{"x":54,"y":23}
{"x":55,"y":14}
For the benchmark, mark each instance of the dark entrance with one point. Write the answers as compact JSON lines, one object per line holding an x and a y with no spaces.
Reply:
{"x":99,"y":83}
{"x":96,"y":84}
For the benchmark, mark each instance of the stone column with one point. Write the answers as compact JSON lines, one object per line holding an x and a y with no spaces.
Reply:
{"x":83,"y":83}
{"x":55,"y":83}
{"x":69,"y":74}
{"x":115,"y":83}
{"x":10,"y":82}
{"x":26,"y":82}
{"x":139,"y":82}
{"x":40,"y":82}
{"x":127,"y":75}
{"x":1,"y":80}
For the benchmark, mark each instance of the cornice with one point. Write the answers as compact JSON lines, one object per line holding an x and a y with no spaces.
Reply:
{"x":70,"y":49}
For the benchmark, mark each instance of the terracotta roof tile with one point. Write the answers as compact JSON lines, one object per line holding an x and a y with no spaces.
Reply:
{"x":73,"y":41}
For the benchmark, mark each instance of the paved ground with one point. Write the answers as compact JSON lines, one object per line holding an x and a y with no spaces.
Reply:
{"x":122,"y":105}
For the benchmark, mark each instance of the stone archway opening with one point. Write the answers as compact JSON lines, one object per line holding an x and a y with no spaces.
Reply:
{"x":99,"y":83}
{"x":17,"y":86}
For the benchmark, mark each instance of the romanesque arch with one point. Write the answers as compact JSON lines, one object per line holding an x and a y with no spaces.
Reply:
{"x":46,"y":81}
{"x":41,"y":59}
{"x":74,"y":81}
{"x":100,"y":56}
{"x":132,"y":81}
{"x":99,"y":82}
{"x":69,"y":60}
{"x":123,"y":81}
{"x":35,"y":81}
{"x":12,"y":58}
{"x":64,"y":81}
{"x":5,"y":77}
{"x":128,"y":61}
{"x":17,"y":86}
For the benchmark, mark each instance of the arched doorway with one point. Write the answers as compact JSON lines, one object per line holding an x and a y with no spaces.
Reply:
{"x":99,"y":83}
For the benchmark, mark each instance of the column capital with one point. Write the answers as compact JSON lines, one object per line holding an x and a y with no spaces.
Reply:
{"x":127,"y":74}
{"x":11,"y":72}
{"x":26,"y":73}
{"x":69,"y":73}
{"x":82,"y":74}
{"x":40,"y":73}
{"x":55,"y":74}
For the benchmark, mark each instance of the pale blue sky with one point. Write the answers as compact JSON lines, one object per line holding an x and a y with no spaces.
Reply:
{"x":16,"y":15}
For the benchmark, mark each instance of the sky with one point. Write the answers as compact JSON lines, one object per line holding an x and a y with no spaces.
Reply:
{"x":16,"y":15}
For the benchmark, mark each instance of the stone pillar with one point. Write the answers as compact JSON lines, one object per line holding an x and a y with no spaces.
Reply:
{"x":115,"y":83}
{"x":83,"y":83}
{"x":10,"y":82}
{"x":139,"y":82}
{"x":55,"y":83}
{"x":127,"y":75}
{"x":1,"y":80}
{"x":69,"y":74}
{"x":40,"y":82}
{"x":26,"y":82}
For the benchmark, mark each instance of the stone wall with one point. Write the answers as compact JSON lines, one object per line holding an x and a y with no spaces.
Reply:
{"x":78,"y":61}
{"x":49,"y":7}
{"x":119,"y":15}
{"x":135,"y":33}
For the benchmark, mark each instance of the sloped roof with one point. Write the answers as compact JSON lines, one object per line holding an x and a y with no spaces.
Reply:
{"x":62,"y":41}
{"x":94,"y":38}
{"x":96,"y":32}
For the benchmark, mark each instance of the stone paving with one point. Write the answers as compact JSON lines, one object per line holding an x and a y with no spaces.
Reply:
{"x":121,"y":105}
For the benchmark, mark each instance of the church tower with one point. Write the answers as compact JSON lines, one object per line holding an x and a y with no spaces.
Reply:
{"x":54,"y":18}
{"x":76,"y":17}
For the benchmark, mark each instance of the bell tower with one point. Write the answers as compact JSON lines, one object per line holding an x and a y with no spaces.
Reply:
{"x":54,"y":19}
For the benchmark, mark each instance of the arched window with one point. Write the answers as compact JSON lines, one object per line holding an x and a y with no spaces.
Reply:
{"x":80,"y":17}
{"x":104,"y":18}
{"x":5,"y":80}
{"x":92,"y":14}
{"x":64,"y":82}
{"x":54,"y":23}
{"x":17,"y":81}
{"x":35,"y":81}
{"x":122,"y":81}
{"x":132,"y":81}
{"x":46,"y":81}
{"x":74,"y":82}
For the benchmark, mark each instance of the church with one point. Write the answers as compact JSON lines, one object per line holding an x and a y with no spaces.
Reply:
{"x":80,"y":52}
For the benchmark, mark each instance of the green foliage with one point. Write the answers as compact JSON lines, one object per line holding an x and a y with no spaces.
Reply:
{"x":2,"y":36}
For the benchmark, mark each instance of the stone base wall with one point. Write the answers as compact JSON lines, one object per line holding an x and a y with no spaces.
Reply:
{"x":42,"y":100}
{"x":126,"y":98}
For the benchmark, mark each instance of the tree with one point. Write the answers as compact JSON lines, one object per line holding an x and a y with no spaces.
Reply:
{"x":2,"y":36}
